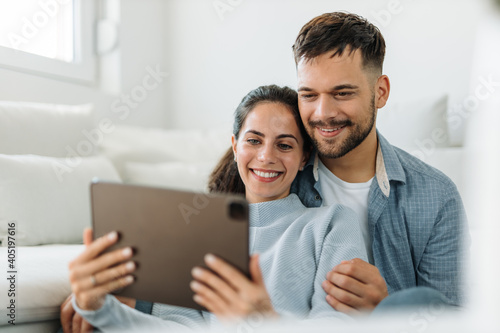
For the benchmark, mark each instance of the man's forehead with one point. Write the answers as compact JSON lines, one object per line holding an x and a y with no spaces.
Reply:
{"x":348,"y":56}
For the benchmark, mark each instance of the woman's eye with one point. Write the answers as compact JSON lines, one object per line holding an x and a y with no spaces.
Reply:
{"x":253,"y":141}
{"x":284,"y":146}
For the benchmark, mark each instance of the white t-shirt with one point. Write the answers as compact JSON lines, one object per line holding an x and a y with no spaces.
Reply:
{"x":352,"y":195}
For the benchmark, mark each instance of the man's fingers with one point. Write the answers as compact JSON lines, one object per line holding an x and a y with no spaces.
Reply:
{"x":346,"y":282}
{"x":343,"y":296}
{"x":357,"y":269}
{"x":77,"y":323}
{"x":339,"y":306}
{"x":86,"y":327}
{"x":67,"y":313}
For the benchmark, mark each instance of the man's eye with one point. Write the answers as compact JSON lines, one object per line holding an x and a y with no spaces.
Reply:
{"x":308,"y":96}
{"x":344,"y":93}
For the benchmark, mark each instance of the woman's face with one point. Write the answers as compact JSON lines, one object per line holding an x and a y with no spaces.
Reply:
{"x":269,"y":152}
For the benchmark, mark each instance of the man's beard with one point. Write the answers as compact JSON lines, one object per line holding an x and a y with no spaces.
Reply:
{"x":330,"y":148}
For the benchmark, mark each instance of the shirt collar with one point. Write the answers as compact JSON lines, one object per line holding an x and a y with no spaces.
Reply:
{"x":387,"y":168}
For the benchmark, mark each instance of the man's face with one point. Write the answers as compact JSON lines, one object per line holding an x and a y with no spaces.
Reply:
{"x":336,"y":102}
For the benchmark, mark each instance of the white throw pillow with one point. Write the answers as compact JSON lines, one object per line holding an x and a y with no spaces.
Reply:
{"x":47,"y":197}
{"x":47,"y":129}
{"x":415,"y":125}
{"x":161,"y":145}
{"x":177,"y":175}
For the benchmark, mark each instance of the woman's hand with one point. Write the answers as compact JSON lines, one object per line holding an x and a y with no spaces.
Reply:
{"x":231,"y":295}
{"x":93,"y":275}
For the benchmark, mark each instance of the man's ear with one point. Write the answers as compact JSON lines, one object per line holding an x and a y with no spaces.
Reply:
{"x":382,"y":90}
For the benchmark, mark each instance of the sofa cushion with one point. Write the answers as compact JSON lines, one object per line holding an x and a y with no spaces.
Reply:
{"x":47,"y":129}
{"x":48,"y":197}
{"x":42,"y":281}
{"x":177,"y":175}
{"x":415,"y":125}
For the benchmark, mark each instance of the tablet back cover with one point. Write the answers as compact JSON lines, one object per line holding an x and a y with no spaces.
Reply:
{"x":170,"y":232}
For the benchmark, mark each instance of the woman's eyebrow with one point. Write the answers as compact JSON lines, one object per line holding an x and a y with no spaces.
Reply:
{"x":281,"y":136}
{"x":287,"y":136}
{"x":255,"y":132}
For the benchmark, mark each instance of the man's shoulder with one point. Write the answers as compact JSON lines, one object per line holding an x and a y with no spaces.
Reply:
{"x":418,"y":173}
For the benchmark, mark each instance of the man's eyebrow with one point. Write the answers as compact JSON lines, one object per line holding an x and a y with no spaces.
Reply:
{"x":345,"y":86}
{"x":305,"y":89}
{"x":335,"y":88}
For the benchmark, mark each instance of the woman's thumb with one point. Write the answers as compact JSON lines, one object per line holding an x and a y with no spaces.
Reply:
{"x":255,"y":271}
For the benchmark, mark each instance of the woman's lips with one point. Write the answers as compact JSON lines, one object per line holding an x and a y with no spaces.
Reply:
{"x":266,"y":176}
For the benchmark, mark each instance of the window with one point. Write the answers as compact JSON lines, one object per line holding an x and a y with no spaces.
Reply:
{"x":49,"y":37}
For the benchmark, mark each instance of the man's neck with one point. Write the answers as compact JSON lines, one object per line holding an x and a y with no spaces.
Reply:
{"x":358,"y":165}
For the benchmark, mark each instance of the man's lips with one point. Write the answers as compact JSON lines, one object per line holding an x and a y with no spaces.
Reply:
{"x":330,"y":132}
{"x":266,"y":175}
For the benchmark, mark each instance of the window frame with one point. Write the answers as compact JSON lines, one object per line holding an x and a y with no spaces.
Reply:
{"x":81,"y":70}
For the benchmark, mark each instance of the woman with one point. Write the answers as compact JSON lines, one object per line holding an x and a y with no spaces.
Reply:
{"x":297,"y":245}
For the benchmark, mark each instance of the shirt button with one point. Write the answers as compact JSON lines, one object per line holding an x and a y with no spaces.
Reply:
{"x":317,"y":197}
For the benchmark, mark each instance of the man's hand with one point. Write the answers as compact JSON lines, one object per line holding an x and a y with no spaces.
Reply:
{"x":354,"y":286}
{"x":71,"y":321}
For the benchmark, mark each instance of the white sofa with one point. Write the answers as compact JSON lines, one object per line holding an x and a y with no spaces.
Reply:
{"x":44,"y":186}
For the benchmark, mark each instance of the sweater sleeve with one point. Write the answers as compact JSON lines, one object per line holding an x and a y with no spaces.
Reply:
{"x":343,"y":241}
{"x":114,"y":316}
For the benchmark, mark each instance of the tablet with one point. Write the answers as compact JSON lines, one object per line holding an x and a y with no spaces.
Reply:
{"x":170,"y":232}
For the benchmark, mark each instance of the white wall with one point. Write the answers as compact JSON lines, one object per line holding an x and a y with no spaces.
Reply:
{"x":214,"y":58}
{"x":141,"y":39}
{"x":216,"y":62}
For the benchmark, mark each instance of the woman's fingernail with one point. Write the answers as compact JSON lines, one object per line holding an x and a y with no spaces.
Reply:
{"x":129,"y":279}
{"x":127,"y":252}
{"x":112,"y":235}
{"x":210,"y":258}
{"x":130,"y":266}
{"x":194,"y":285}
{"x":196,"y":272}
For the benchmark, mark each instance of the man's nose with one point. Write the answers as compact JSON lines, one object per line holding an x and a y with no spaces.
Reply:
{"x":326,"y":108}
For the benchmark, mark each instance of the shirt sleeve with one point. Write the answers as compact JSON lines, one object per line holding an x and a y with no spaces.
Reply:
{"x":114,"y":316}
{"x":443,"y":260}
{"x":143,"y":306}
{"x":344,"y":241}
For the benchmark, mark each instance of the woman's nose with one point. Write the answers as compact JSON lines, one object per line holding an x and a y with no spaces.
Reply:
{"x":266,"y":154}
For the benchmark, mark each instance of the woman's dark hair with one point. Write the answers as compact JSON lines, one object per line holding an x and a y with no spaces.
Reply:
{"x":225,"y":177}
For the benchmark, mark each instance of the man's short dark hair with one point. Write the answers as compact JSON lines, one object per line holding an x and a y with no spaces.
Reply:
{"x":337,"y":32}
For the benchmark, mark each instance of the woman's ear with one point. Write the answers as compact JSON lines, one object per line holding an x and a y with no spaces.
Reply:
{"x":305,"y":158}
{"x":234,"y":143}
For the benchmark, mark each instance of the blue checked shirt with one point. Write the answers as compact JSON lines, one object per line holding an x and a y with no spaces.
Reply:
{"x":416,"y":221}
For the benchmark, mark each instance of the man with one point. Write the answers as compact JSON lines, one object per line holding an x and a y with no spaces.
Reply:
{"x":411,"y":214}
